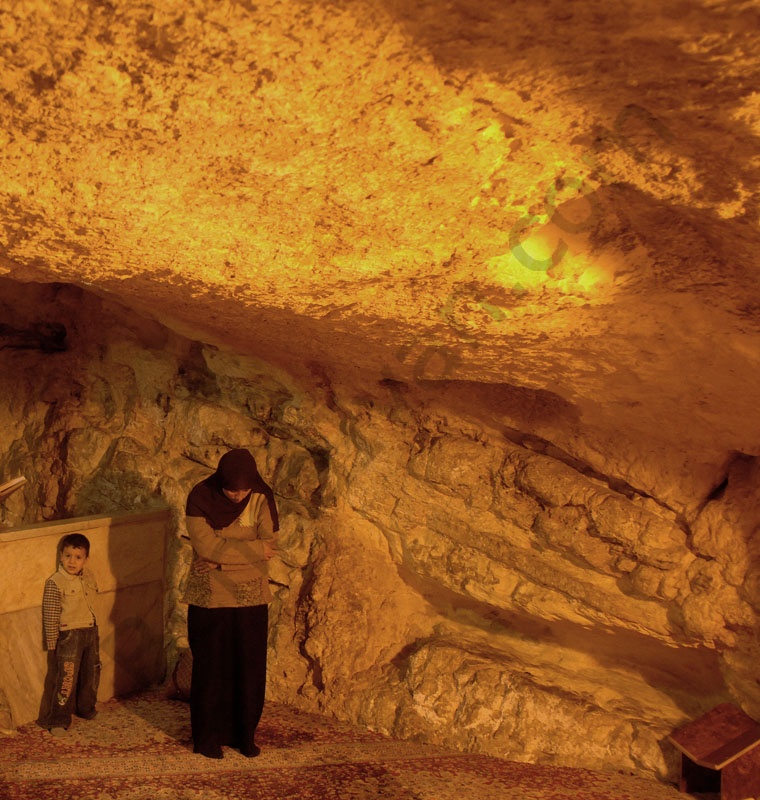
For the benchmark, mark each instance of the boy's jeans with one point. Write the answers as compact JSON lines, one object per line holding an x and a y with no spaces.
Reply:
{"x":71,"y":686}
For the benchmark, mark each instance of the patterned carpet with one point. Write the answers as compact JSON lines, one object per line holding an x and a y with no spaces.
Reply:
{"x":140,"y":749}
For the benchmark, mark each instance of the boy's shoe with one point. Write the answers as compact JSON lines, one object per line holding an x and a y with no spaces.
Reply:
{"x":58,"y":731}
{"x":89,"y":715}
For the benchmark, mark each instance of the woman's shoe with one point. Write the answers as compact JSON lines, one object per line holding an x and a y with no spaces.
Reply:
{"x":209,"y":752}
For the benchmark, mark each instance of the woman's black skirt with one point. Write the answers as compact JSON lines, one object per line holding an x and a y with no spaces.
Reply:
{"x":229,"y":647}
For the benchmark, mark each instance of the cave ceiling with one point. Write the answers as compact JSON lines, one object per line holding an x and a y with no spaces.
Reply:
{"x":548,"y":197}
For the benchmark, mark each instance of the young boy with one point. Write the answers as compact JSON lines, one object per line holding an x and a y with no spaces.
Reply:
{"x":71,"y":639}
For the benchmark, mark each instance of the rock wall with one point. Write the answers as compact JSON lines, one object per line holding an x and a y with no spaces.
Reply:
{"x":445,"y":575}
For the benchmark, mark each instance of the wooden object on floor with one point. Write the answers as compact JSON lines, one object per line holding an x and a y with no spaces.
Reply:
{"x":720,"y":752}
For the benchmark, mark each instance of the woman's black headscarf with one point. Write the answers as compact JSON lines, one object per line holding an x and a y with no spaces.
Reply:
{"x":236,"y":470}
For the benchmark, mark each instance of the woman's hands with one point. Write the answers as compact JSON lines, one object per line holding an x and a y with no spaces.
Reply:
{"x":202,"y":566}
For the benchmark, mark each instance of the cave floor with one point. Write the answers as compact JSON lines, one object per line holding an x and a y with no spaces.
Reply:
{"x":140,"y":747}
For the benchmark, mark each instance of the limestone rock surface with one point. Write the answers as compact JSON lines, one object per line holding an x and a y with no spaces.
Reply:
{"x":476,"y":282}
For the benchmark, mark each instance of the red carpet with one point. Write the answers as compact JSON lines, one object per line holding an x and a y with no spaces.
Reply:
{"x":140,"y":749}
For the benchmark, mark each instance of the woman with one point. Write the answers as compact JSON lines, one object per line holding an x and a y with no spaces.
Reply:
{"x":232,"y":522}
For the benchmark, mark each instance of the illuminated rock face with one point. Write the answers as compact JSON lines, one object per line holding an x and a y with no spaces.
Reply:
{"x":439,"y":579}
{"x":477,"y":284}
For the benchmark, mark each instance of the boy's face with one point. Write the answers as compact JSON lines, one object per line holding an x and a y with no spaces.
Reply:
{"x":73,"y":559}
